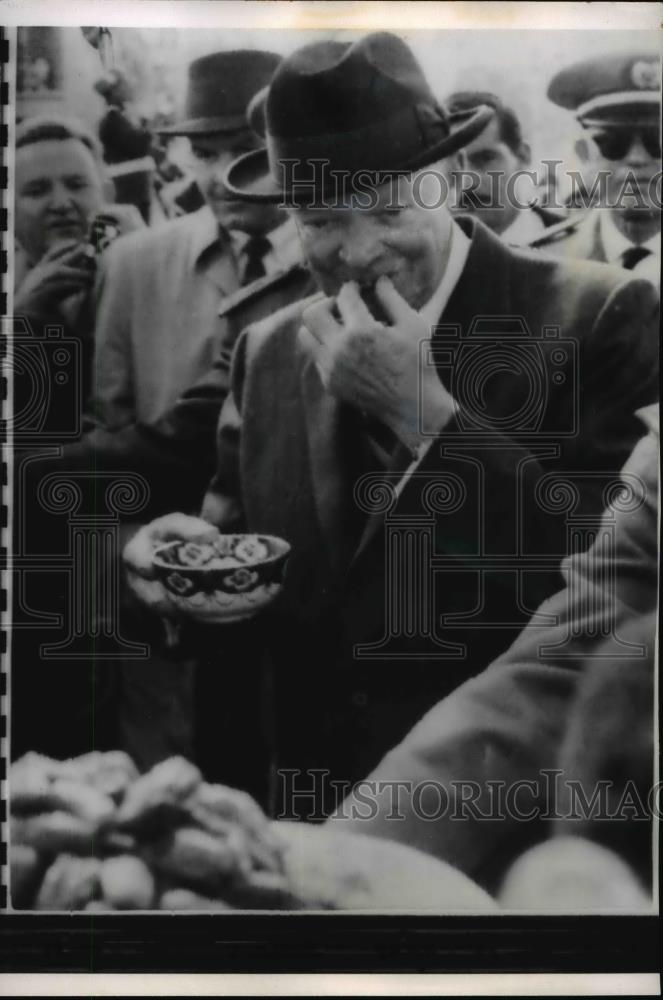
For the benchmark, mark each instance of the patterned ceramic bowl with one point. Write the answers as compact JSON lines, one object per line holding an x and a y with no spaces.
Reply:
{"x":225,"y":581}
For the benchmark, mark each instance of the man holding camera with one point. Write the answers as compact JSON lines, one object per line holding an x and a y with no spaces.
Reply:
{"x":418,"y":488}
{"x":60,"y":191}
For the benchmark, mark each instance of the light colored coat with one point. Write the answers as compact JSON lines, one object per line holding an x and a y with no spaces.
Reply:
{"x":158,"y":329}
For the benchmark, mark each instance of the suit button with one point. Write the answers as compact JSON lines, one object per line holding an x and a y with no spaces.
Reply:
{"x":359,"y":699}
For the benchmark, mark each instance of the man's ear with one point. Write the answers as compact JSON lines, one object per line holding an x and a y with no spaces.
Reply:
{"x":582,"y":147}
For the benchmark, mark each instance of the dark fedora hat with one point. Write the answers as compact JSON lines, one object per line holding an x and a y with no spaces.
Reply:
{"x":219,"y":90}
{"x":361,"y":106}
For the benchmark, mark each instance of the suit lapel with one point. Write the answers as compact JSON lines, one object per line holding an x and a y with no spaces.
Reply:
{"x":211,"y":252}
{"x":472,"y":297}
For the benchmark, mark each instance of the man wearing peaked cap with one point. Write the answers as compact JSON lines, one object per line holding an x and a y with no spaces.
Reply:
{"x":616,"y":100}
{"x":158,"y":324}
{"x":369,"y":443}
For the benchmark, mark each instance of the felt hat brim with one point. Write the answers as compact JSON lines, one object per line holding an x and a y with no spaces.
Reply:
{"x":249,"y":176}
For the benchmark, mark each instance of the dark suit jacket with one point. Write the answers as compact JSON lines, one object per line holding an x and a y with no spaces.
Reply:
{"x":292,"y":458}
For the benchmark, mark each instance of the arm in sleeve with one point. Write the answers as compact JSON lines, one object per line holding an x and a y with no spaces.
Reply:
{"x":113,"y":395}
{"x":504,"y":729}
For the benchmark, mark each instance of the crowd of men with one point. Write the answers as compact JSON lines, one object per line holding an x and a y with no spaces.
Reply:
{"x":339,"y":366}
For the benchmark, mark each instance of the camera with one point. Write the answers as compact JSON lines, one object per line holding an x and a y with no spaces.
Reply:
{"x":507,"y":379}
{"x":103,"y":231}
{"x":47,"y":377}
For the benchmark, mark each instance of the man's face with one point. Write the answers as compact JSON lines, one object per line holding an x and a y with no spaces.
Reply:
{"x":493,"y":162}
{"x":58,"y":193}
{"x":211,"y":157}
{"x":630,"y":155}
{"x":408,"y":244}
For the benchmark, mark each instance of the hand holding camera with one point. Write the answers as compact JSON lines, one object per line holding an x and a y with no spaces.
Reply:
{"x":63,"y":271}
{"x":69,"y":267}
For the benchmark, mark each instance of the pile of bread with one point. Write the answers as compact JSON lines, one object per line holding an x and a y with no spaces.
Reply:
{"x":92,"y":834}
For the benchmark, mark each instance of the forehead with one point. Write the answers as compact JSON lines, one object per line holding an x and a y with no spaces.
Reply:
{"x":490,"y":137}
{"x":55,"y":158}
{"x":396,"y":193}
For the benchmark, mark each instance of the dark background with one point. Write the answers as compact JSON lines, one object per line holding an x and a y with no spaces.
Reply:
{"x":242,"y":943}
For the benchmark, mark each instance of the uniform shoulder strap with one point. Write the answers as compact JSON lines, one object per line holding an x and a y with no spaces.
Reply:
{"x":555,"y":233}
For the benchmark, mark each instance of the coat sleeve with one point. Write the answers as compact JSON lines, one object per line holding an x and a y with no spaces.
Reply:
{"x":222,"y":505}
{"x":468,"y":782}
{"x":113,"y":395}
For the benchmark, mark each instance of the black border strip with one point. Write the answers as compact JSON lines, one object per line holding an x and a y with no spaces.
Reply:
{"x":300,"y":943}
{"x":5,"y":111}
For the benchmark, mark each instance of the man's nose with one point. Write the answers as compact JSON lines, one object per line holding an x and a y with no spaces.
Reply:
{"x":637,"y":154}
{"x":360,"y":246}
{"x":61,"y":198}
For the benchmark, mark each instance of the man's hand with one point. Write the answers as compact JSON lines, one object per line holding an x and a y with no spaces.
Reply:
{"x":377,"y":367}
{"x":126,"y":217}
{"x":138,"y":553}
{"x":60,"y":273}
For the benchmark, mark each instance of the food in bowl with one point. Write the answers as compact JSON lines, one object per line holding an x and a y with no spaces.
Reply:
{"x":226,"y":580}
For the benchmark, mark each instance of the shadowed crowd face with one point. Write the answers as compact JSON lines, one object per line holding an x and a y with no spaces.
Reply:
{"x":630,"y":155}
{"x":492,"y":162}
{"x":211,"y":157}
{"x":399,"y":237}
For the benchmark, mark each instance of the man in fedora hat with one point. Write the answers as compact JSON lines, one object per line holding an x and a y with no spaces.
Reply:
{"x":158,"y":328}
{"x":491,"y":162}
{"x":616,"y":99}
{"x":411,"y":474}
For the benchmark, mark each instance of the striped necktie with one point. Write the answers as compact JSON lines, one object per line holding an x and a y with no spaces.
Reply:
{"x":254,"y":253}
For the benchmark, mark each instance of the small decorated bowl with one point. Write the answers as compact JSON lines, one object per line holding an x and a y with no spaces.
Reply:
{"x":228,"y":580}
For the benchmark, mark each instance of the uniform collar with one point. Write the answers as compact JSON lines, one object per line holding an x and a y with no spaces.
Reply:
{"x":615,"y":243}
{"x":458,"y":251}
{"x":526,"y":226}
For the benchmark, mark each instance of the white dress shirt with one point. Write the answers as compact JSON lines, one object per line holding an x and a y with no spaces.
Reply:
{"x":526,"y":226}
{"x":432,"y":312}
{"x":615,"y":244}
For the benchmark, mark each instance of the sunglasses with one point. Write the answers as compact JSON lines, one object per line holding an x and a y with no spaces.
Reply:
{"x":615,"y":142}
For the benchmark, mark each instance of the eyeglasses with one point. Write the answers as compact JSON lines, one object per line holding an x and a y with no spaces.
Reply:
{"x":615,"y":142}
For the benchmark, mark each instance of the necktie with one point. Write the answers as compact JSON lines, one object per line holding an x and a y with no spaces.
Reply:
{"x":633,"y":256}
{"x":254,"y":252}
